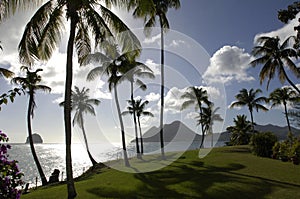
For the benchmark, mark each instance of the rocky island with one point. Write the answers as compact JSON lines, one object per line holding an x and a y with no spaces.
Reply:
{"x":37,"y":139}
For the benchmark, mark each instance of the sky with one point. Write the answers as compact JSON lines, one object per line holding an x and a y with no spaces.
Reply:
{"x":208,"y":45}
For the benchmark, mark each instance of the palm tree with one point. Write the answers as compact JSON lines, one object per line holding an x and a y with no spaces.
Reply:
{"x":136,"y":69}
{"x":43,"y":33}
{"x":250,"y":98}
{"x":82,"y":104}
{"x":114,"y":65}
{"x":240,"y":130}
{"x":207,"y":119}
{"x":30,"y":84}
{"x":196,"y":96}
{"x":274,"y":57}
{"x":282,"y":96}
{"x":149,"y":10}
{"x":137,"y":107}
{"x":140,"y":111}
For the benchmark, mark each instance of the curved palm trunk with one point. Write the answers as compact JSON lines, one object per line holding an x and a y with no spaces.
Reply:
{"x":36,"y":160}
{"x":94,"y":162}
{"x":252,"y":121}
{"x":287,"y":117}
{"x":138,"y":153}
{"x":141,"y":136}
{"x":122,"y":128}
{"x":162,"y":90}
{"x":67,"y":110}
{"x":288,"y":79}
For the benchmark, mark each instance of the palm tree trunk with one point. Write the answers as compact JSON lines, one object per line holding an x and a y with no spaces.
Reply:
{"x":202,"y":126}
{"x":138,"y":153}
{"x":162,"y":90}
{"x":252,"y":121}
{"x":287,"y":117}
{"x":36,"y":160}
{"x":67,"y":109}
{"x":122,"y":127}
{"x":288,"y":79}
{"x":141,"y":136}
{"x":94,"y":162}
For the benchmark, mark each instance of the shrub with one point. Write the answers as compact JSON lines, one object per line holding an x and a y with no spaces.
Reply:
{"x":262,"y":144}
{"x":10,"y":176}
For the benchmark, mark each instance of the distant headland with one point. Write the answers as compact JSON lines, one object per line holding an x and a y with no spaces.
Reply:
{"x":37,"y":139}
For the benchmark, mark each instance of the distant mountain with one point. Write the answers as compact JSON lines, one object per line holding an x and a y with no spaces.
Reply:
{"x":179,"y":132}
{"x":37,"y":139}
{"x":175,"y":132}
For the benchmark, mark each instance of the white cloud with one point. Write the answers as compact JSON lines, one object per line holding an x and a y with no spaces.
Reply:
{"x":191,"y":115}
{"x":173,"y":100}
{"x":153,"y":66}
{"x":230,"y":63}
{"x":152,"y":39}
{"x":152,"y":97}
{"x":284,"y":32}
{"x":176,"y":43}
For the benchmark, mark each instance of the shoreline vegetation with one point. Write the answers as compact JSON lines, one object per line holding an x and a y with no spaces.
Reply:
{"x":226,"y":172}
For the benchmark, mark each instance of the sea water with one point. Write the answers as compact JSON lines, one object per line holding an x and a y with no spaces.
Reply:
{"x":52,"y":156}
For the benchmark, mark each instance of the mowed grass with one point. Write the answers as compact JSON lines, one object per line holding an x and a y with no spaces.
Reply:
{"x":227,"y":172}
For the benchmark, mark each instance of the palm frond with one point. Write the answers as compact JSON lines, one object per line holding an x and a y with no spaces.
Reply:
{"x":5,"y":73}
{"x":51,"y":34}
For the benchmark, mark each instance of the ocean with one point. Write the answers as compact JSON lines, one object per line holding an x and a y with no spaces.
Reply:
{"x":52,"y":156}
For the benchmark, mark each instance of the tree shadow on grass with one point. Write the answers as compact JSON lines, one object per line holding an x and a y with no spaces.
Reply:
{"x":194,"y":180}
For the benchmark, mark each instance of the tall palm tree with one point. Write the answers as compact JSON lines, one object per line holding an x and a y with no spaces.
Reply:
{"x":43,"y":33}
{"x":82,"y":104}
{"x":196,"y":96}
{"x":275,"y":57}
{"x":30,"y":83}
{"x":283,"y":96}
{"x":209,"y":116}
{"x":134,"y":70}
{"x":114,"y":65}
{"x":250,"y":98}
{"x":240,"y":130}
{"x":149,"y":10}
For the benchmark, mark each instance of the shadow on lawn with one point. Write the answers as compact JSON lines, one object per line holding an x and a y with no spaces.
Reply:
{"x":193,"y":180}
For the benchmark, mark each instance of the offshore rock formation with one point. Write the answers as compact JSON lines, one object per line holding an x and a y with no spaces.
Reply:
{"x":37,"y":139}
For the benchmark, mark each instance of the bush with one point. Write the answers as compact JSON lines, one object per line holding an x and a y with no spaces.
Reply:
{"x":10,"y":176}
{"x":262,"y":144}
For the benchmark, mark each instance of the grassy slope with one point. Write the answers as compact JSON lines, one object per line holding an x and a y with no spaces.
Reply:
{"x":227,"y":172}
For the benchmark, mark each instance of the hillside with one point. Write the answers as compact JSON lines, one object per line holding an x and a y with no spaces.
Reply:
{"x":227,"y":173}
{"x":179,"y":132}
{"x":175,"y":132}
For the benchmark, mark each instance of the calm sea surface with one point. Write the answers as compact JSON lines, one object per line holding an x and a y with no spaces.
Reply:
{"x":52,"y":156}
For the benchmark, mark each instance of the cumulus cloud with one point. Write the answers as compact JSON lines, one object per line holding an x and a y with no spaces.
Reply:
{"x":230,"y":63}
{"x":153,"y":66}
{"x":152,"y":97}
{"x":173,"y":100}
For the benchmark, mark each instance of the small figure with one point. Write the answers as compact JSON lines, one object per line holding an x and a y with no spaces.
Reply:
{"x":54,"y":176}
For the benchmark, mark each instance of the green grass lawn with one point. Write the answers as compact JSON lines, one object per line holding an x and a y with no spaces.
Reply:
{"x":227,"y":172}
